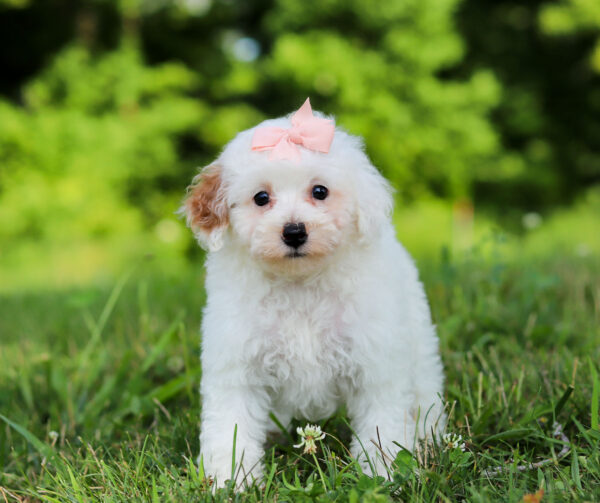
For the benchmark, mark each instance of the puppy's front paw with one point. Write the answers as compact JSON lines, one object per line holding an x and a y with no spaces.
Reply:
{"x":216,"y":476}
{"x":376,"y":448}
{"x":220,"y":474}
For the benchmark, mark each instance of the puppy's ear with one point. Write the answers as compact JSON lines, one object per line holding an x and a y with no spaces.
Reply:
{"x":205,"y":208}
{"x":374,"y":198}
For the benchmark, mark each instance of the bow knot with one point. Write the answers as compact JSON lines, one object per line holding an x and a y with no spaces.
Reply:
{"x":307,"y":130}
{"x":295,"y":135}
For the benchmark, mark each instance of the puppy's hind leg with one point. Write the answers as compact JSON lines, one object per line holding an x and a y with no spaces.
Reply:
{"x":429,"y":383}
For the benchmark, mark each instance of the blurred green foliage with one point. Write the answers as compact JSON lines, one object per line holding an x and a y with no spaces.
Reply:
{"x":93,"y":136}
{"x":545,"y":55}
{"x":107,"y":108}
{"x":84,"y":158}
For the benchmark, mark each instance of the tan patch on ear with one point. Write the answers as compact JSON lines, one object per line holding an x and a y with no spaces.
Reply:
{"x":205,"y":204}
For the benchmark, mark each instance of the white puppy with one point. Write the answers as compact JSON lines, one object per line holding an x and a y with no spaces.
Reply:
{"x":312,"y":302}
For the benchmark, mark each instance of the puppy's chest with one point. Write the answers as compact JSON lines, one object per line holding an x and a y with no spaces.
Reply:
{"x":303,"y":339}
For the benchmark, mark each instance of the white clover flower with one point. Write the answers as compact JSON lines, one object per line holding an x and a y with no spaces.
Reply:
{"x":309,"y":436}
{"x":453,"y":441}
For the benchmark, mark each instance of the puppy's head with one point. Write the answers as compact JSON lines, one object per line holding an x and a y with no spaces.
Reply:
{"x":290,"y":215}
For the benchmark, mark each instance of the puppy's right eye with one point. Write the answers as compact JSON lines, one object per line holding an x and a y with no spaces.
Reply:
{"x":261,"y":198}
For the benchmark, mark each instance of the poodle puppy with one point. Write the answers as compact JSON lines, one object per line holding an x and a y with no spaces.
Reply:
{"x":312,"y":303}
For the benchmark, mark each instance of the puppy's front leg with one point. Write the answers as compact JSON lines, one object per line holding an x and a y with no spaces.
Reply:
{"x":227,"y":409}
{"x":381,"y":418}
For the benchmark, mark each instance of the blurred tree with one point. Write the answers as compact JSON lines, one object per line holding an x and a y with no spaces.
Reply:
{"x":88,"y":155}
{"x":33,"y":31}
{"x":545,"y":54}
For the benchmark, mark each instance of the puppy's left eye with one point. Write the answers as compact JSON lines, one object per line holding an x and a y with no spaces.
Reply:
{"x":261,"y":198}
{"x":320,"y":192}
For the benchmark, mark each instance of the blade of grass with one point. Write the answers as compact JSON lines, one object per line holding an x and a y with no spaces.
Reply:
{"x":270,"y":477}
{"x":172,"y":387}
{"x":75,"y":485}
{"x":563,"y":400}
{"x":159,"y":347}
{"x":43,"y":448}
{"x":575,"y":475}
{"x":595,"y":396}
{"x":282,"y":428}
{"x":183,"y":337}
{"x":102,"y":321}
{"x":141,"y":459}
{"x":233,"y":456}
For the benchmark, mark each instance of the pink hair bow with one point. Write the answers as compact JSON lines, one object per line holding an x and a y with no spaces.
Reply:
{"x":307,"y":130}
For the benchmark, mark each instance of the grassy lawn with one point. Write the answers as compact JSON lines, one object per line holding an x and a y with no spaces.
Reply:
{"x":98,"y":393}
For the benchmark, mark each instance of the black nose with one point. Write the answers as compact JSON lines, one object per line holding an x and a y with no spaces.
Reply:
{"x":294,"y":235}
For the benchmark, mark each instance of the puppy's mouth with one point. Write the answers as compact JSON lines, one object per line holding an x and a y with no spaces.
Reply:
{"x":295,"y":254}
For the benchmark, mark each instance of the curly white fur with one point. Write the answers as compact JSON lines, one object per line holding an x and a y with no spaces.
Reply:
{"x":346,"y":323}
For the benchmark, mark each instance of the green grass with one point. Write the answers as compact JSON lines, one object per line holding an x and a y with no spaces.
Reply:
{"x":98,"y":393}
